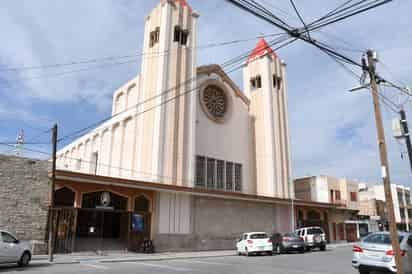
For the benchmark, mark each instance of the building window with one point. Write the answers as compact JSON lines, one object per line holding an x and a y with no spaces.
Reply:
{"x":210,"y":173}
{"x":229,"y":176}
{"x":238,"y":177}
{"x":93,"y":162}
{"x":354,"y":196}
{"x":200,"y":171}
{"x":402,"y":211}
{"x":256,"y":82}
{"x":180,"y":36}
{"x":154,"y":37}
{"x":184,"y":37}
{"x":176,"y":37}
{"x":220,"y":167}
{"x":337,"y":195}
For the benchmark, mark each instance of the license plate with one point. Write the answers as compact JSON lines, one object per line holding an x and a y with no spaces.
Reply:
{"x":373,"y":254}
{"x":295,"y":246}
{"x":261,"y":247}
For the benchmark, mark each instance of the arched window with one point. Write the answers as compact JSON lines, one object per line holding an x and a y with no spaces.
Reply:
{"x":64,"y":197}
{"x":119,"y":104}
{"x":141,"y":204}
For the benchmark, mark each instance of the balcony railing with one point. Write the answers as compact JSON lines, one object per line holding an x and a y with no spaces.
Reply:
{"x":341,"y":203}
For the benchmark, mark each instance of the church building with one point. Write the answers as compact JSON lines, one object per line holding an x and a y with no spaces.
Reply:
{"x":188,"y":159}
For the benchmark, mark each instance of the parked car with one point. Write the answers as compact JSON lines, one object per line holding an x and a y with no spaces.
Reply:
{"x":374,"y":253}
{"x":286,"y":242}
{"x":313,"y":236}
{"x":13,"y":251}
{"x":254,"y":243}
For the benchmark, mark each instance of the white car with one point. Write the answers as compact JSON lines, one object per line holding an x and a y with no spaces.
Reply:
{"x":254,"y":243}
{"x":13,"y":251}
{"x":313,"y":236}
{"x":374,"y":253}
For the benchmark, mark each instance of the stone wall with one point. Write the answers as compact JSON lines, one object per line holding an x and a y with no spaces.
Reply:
{"x":24,"y":198}
{"x":218,"y":223}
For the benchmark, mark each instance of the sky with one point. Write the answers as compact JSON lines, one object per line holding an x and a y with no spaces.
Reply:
{"x":333,"y":131}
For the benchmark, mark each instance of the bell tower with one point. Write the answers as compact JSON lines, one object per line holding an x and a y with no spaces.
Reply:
{"x":166,"y":133}
{"x":265,"y":85}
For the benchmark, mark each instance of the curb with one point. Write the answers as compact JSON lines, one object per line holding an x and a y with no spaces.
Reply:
{"x":132,"y":259}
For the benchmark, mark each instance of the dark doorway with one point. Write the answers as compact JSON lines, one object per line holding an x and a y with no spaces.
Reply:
{"x":101,"y":230}
{"x":64,"y":197}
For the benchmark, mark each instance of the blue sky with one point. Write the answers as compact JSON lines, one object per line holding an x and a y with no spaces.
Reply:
{"x":333,"y":131}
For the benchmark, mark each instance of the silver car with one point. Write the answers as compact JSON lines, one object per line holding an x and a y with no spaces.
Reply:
{"x":374,"y":253}
{"x":13,"y":251}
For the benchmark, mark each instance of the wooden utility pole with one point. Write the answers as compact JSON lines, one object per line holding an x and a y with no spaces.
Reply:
{"x":384,"y":162}
{"x":52,"y":184}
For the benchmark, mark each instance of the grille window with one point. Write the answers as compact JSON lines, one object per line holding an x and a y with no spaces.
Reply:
{"x":220,"y":174}
{"x":238,"y":177}
{"x":210,"y":173}
{"x":200,"y":171}
{"x":229,"y":176}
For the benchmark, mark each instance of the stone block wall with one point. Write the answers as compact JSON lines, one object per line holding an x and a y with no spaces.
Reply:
{"x":24,"y":197}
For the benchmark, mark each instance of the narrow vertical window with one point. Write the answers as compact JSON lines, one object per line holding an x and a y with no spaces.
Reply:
{"x":183,"y":37}
{"x":229,"y":176}
{"x":259,"y":82}
{"x":200,"y":171}
{"x":220,"y":174}
{"x":78,"y":164}
{"x":210,"y":173}
{"x":93,"y":165}
{"x":177,"y":34}
{"x":253,"y":83}
{"x":275,"y":81}
{"x":238,"y":177}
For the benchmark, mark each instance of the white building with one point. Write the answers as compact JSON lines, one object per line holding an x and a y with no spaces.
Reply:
{"x":192,"y":128}
{"x":373,"y":202}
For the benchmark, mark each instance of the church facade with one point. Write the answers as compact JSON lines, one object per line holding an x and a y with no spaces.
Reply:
{"x":199,"y":158}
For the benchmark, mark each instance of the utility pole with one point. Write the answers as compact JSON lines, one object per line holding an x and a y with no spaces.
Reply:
{"x":52,"y":184}
{"x":384,"y":162}
{"x":406,"y":135}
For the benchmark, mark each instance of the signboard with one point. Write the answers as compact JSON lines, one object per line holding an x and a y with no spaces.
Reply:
{"x":137,"y":223}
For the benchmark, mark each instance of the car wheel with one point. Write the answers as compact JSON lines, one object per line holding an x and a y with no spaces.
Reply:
{"x":270,"y":253}
{"x":302,"y":250}
{"x":323,"y":248}
{"x":25,"y":259}
{"x":363,"y":272}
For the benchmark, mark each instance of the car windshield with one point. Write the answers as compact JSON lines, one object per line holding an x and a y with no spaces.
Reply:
{"x":380,"y":239}
{"x":259,"y":236}
{"x":315,"y":231}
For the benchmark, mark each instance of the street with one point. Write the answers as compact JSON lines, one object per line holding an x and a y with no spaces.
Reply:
{"x":336,"y":261}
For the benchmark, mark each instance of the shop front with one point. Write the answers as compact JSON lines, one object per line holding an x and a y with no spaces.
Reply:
{"x":93,"y":217}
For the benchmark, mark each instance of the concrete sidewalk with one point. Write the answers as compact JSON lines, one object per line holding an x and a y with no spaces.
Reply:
{"x":129,"y":257}
{"x":114,"y":257}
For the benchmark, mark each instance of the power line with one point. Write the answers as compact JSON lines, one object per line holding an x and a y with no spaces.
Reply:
{"x":229,"y":63}
{"x":148,"y":54}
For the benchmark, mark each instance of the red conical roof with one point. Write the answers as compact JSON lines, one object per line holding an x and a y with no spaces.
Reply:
{"x":262,"y":48}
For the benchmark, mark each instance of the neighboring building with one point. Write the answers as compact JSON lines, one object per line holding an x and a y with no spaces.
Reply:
{"x":24,"y":199}
{"x":373,"y":204}
{"x":340,"y":223}
{"x":186,"y":151}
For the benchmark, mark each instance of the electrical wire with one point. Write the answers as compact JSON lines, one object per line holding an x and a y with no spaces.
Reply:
{"x":229,"y":63}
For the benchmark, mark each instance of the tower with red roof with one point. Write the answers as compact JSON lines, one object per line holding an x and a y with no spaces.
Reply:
{"x":265,"y":85}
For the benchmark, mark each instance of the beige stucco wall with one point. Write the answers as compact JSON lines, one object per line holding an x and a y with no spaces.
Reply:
{"x":230,"y":140}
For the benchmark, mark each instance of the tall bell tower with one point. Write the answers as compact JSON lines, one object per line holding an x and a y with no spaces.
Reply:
{"x":166,"y":133}
{"x":265,"y":85}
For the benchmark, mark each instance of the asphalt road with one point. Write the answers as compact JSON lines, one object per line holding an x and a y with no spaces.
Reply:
{"x":337,"y":261}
